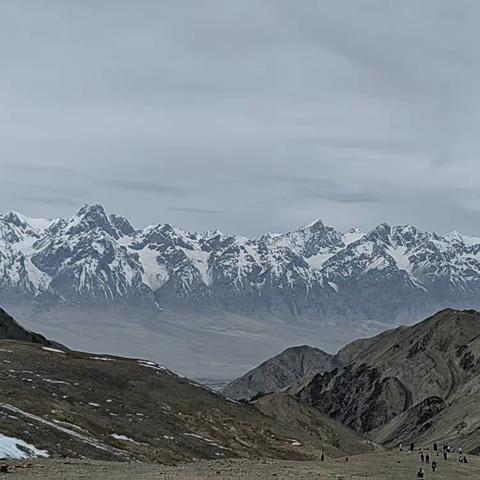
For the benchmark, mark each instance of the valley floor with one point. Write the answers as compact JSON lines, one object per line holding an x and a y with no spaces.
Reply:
{"x":376,"y":466}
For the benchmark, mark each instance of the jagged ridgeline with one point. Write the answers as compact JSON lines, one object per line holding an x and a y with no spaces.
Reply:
{"x":315,"y":272}
{"x":419,"y":383}
{"x":55,"y":402}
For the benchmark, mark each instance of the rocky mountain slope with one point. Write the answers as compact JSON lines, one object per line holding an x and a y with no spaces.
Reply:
{"x":281,"y":371}
{"x":293,"y":367}
{"x":416,"y":383}
{"x":329,"y":435}
{"x":11,"y":330}
{"x":55,"y":402}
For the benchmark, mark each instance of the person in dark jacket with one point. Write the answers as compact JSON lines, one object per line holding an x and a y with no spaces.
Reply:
{"x":422,"y":457}
{"x":435,"y":447}
{"x":434,"y":466}
{"x":427,"y":458}
{"x":421,"y":473}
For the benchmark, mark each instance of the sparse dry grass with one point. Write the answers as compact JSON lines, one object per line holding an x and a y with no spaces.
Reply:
{"x":375,"y":466}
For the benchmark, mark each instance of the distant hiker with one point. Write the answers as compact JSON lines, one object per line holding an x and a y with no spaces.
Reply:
{"x":427,"y":458}
{"x":465,"y":459}
{"x":445,"y":456}
{"x":434,"y":466}
{"x":459,"y":450}
{"x":322,"y":458}
{"x":435,"y":447}
{"x":346,"y":459}
{"x":400,"y":448}
{"x":422,"y":457}
{"x":412,"y":447}
{"x":420,"y":473}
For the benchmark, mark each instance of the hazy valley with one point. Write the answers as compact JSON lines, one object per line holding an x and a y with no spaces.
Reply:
{"x":219,"y":304}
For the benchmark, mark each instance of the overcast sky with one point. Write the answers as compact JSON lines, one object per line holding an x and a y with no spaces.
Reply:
{"x":250,"y":116}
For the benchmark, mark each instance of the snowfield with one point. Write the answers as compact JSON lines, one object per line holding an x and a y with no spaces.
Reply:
{"x":11,"y":448}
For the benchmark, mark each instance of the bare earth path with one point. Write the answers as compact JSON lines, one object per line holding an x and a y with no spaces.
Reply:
{"x":376,"y":466}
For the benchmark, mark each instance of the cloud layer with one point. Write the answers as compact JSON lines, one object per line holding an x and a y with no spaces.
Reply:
{"x":248,"y":116}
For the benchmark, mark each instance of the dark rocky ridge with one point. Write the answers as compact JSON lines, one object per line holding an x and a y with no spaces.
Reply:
{"x":11,"y":330}
{"x":419,"y":383}
{"x":280,"y":372}
{"x":413,"y":383}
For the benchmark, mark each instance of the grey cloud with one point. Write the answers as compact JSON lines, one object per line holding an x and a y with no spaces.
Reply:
{"x":356,"y":112}
{"x":343,"y":197}
{"x":47,"y":200}
{"x":193,"y":210}
{"x":144,"y":187}
{"x":325,"y":188}
{"x":41,"y":169}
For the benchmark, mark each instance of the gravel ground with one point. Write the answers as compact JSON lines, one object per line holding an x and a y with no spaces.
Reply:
{"x":376,"y":466}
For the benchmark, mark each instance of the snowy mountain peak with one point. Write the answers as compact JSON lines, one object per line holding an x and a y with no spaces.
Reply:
{"x":14,"y":218}
{"x":19,"y":220}
{"x":95,"y":211}
{"x":16,"y":228}
{"x":212,"y":234}
{"x":465,"y":239}
{"x":352,"y":235}
{"x":122,"y":224}
{"x":88,"y":218}
{"x":310,"y":272}
{"x":317,"y":224}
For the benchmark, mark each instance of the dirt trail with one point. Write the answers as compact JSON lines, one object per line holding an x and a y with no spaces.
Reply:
{"x":376,"y":466}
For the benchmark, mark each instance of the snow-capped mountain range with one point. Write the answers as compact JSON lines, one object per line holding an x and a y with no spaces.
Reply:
{"x":313,"y":273}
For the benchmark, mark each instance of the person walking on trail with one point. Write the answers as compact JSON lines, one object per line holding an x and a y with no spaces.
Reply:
{"x":322,"y":458}
{"x":422,"y":457}
{"x":421,"y":473}
{"x":445,"y":456}
{"x":434,"y":466}
{"x":435,"y":447}
{"x":427,"y":458}
{"x":412,"y":447}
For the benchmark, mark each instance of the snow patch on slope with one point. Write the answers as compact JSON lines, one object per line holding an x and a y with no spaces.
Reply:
{"x":11,"y":447}
{"x":399,"y":254}
{"x":317,"y":261}
{"x":352,"y":236}
{"x":199,"y":258}
{"x":39,"y":224}
{"x":466,"y":239}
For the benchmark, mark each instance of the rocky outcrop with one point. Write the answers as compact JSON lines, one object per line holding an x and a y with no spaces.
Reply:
{"x":280,"y":372}
{"x":11,"y":330}
{"x":413,"y":383}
